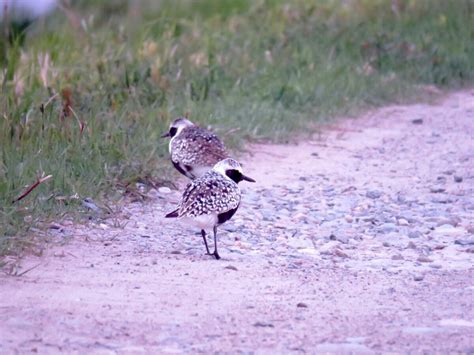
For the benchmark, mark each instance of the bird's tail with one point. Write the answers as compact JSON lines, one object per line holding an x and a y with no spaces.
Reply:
{"x":172,"y":214}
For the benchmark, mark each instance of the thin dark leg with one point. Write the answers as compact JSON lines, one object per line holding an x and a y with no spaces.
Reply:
{"x":216,"y":254}
{"x":203,"y":233}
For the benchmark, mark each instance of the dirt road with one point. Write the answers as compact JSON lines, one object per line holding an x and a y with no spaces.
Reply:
{"x":360,"y":240}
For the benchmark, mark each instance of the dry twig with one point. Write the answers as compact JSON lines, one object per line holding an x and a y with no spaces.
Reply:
{"x":32,"y":187}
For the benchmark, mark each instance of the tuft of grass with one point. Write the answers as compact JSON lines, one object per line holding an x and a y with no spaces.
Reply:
{"x":87,"y":95}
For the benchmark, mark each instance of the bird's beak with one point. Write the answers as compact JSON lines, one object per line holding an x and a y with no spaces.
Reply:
{"x":246,"y":178}
{"x":164,"y":135}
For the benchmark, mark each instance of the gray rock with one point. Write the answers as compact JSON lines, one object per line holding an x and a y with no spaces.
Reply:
{"x":387,"y":228}
{"x":414,"y":234}
{"x":442,"y":199}
{"x":453,"y":221}
{"x":268,"y":215}
{"x":418,"y":277}
{"x":263,"y":325}
{"x":373,"y":194}
{"x":448,"y":229}
{"x":465,"y":241}
{"x":90,"y":204}
{"x":230,"y":227}
{"x":424,"y":259}
{"x":344,"y":239}
{"x":401,"y":198}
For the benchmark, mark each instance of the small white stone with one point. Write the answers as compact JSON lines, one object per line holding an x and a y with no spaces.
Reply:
{"x":164,"y":190}
{"x":402,"y":222}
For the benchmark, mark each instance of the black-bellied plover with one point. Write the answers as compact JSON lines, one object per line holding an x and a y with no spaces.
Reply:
{"x":193,"y":150}
{"x":212,"y":199}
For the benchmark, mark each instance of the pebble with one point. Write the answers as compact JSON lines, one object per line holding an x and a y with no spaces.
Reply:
{"x":373,"y":194}
{"x":302,"y":305}
{"x":442,"y":199}
{"x":448,"y":229}
{"x":344,"y":239}
{"x":54,"y":226}
{"x":465,"y":241}
{"x":457,"y":178}
{"x":402,"y":222}
{"x":424,"y":259}
{"x":229,"y":227}
{"x":418,"y":277}
{"x":299,"y":217}
{"x":453,"y":221}
{"x":388,"y":227}
{"x":414,"y":234}
{"x":338,"y":252}
{"x":231,"y":267}
{"x":164,"y":190}
{"x":263,"y":325}
{"x":90,"y":204}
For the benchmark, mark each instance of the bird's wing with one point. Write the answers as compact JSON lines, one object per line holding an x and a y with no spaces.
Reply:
{"x":198,"y":146}
{"x":208,"y":195}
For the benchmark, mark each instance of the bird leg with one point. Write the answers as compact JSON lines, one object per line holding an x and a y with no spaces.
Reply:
{"x":203,"y":233}
{"x":216,"y":254}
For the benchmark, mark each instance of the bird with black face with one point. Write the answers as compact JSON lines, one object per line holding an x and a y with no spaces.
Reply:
{"x":212,"y":199}
{"x":193,"y":150}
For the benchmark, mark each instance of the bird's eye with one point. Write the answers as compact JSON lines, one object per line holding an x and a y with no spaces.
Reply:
{"x":173,"y":131}
{"x":234,"y":175}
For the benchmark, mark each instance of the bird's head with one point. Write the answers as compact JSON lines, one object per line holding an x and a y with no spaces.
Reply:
{"x":177,"y":126}
{"x":231,"y":169}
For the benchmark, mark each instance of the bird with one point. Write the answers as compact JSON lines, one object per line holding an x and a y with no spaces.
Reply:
{"x":193,"y":150}
{"x":212,"y":199}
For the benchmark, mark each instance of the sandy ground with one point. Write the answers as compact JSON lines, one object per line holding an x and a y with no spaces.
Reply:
{"x":357,"y":241}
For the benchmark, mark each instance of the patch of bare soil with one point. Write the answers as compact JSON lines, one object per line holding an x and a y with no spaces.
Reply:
{"x":360,"y":240}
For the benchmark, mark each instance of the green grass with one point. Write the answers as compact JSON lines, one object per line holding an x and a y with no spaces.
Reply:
{"x":266,"y":68}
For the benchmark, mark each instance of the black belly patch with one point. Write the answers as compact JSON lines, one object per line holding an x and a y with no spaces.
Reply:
{"x":224,"y":217}
{"x":186,"y":170}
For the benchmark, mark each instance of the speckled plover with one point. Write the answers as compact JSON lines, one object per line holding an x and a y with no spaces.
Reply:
{"x":212,"y":199}
{"x":193,"y":150}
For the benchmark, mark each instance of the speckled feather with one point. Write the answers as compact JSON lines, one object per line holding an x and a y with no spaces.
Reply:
{"x":211,"y":193}
{"x":196,"y":146}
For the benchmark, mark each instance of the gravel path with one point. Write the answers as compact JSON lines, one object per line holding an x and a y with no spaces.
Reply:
{"x":360,"y":240}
